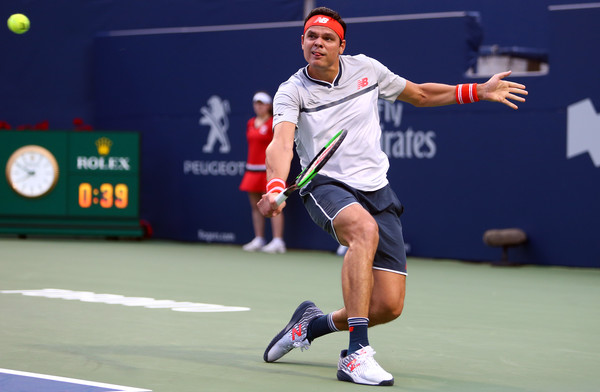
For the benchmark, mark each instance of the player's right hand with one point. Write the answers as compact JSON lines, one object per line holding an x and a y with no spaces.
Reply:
{"x":267,"y":205}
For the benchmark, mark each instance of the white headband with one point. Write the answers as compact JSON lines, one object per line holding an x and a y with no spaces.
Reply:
{"x":262,"y":97}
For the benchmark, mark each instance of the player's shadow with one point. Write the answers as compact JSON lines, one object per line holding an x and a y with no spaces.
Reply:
{"x":304,"y":369}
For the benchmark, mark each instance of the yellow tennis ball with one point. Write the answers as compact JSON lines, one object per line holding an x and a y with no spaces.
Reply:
{"x":18,"y":23}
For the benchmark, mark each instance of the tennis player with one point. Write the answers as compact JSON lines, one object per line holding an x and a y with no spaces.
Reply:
{"x":350,"y":198}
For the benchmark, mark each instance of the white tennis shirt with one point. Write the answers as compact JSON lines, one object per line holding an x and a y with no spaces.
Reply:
{"x":321,"y":109}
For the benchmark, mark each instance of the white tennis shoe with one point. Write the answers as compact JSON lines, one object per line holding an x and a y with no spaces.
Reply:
{"x":294,"y":333}
{"x":275,"y":246}
{"x":256,"y":244}
{"x":361,"y":368}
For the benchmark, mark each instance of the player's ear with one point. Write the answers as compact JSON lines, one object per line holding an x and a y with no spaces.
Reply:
{"x":302,"y":41}
{"x":342,"y":46}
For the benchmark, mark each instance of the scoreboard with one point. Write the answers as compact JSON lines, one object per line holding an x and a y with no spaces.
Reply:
{"x":70,"y":183}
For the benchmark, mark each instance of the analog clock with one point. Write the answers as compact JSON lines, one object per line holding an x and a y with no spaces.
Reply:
{"x":32,"y":171}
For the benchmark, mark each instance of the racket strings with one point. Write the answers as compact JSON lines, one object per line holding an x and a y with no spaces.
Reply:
{"x":322,"y":157}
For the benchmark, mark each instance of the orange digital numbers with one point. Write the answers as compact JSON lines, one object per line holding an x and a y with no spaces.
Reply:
{"x":85,"y":195}
{"x":121,"y":195}
{"x":106,"y":199}
{"x":106,"y":196}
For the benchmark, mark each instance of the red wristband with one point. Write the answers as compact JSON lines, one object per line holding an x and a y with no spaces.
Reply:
{"x":466,"y":93}
{"x":276,"y":185}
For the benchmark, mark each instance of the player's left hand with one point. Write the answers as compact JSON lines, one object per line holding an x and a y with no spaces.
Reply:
{"x":498,"y":90}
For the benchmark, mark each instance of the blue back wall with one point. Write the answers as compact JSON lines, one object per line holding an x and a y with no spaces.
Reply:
{"x":459,"y":170}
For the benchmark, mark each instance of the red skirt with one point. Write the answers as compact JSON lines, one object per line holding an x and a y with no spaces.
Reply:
{"x":254,"y":181}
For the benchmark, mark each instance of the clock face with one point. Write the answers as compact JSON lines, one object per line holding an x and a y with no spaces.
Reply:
{"x":32,"y":171}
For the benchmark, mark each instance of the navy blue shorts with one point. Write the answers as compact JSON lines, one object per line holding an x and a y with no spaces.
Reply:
{"x":325,"y":197}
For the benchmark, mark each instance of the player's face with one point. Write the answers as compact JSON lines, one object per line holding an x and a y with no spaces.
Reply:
{"x":322,"y":47}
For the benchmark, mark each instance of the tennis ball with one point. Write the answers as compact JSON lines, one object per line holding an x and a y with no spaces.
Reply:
{"x":18,"y":23}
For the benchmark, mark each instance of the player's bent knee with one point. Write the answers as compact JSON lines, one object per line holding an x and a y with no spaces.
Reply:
{"x":393,"y":312}
{"x":369,"y":232}
{"x":385,"y":312}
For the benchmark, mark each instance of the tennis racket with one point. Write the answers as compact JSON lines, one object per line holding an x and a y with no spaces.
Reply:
{"x":314,"y":166}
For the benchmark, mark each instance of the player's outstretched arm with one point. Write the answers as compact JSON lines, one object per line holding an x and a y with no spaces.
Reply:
{"x":279,"y":158}
{"x":498,"y":90}
{"x":436,"y":94}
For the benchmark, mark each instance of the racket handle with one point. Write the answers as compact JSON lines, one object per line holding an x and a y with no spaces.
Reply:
{"x":281,"y":198}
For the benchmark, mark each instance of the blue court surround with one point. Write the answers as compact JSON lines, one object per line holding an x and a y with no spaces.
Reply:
{"x":16,"y":381}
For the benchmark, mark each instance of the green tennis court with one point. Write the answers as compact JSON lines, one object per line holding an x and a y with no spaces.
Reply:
{"x":466,"y":326}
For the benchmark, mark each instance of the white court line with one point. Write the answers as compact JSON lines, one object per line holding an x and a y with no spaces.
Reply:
{"x":117,"y":299}
{"x":115,"y":388}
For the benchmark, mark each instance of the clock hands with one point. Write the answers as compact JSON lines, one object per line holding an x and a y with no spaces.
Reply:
{"x":29,"y":171}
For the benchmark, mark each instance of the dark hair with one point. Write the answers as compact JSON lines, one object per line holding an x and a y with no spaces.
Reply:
{"x":327,"y":12}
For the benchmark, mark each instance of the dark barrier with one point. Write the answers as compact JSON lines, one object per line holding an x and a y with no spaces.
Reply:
{"x":458,"y":170}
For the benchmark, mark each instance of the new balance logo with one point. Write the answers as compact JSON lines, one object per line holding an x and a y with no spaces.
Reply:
{"x":583,"y":130}
{"x":322,"y":20}
{"x":352,"y":365}
{"x":363,"y":83}
{"x":297,"y":332}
